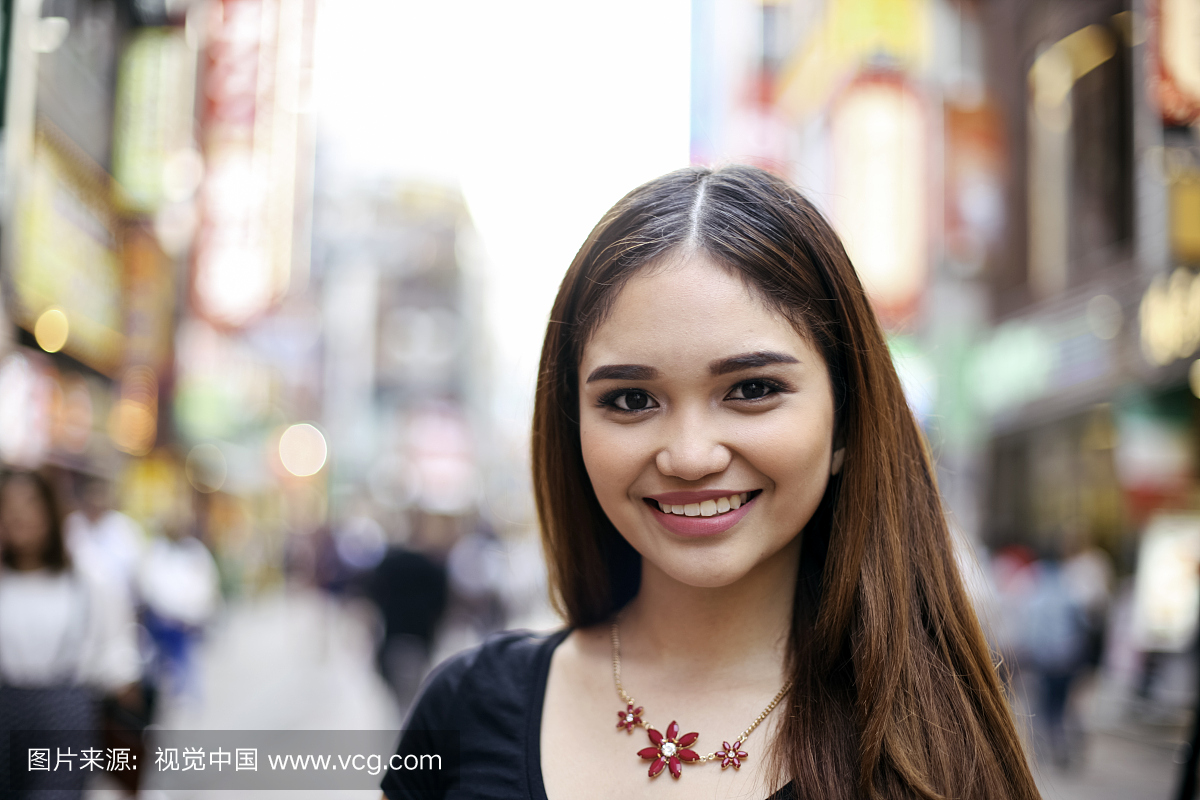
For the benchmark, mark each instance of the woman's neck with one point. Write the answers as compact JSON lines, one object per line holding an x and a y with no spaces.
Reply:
{"x":709,"y":632}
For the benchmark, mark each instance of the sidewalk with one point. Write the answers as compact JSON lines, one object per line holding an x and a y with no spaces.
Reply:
{"x":1128,"y":754}
{"x":296,"y":660}
{"x":1114,"y":768}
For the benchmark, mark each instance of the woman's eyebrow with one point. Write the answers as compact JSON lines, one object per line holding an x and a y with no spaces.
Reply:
{"x":622,"y":372}
{"x":761,"y":358}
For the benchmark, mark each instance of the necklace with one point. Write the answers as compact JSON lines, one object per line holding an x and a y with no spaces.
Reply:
{"x":670,"y":750}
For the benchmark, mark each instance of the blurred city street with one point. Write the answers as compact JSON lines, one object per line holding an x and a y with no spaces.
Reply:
{"x":1116,"y":767}
{"x":1125,"y":754}
{"x":287,"y":660}
{"x":291,"y":660}
{"x":275,"y":277}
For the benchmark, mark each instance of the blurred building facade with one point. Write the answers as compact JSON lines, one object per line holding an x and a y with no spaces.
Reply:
{"x":1016,"y":183}
{"x":155,"y":229}
{"x":403,"y":375}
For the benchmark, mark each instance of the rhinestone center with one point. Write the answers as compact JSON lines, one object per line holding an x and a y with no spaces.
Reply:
{"x":629,"y":717}
{"x":668,"y":749}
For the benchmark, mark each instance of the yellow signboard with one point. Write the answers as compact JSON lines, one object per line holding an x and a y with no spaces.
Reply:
{"x":66,"y":254}
{"x":852,"y":34}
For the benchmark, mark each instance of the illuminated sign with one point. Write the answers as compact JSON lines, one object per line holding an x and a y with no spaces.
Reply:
{"x":153,"y":158}
{"x":878,"y":134}
{"x":252,"y":82}
{"x":1166,"y":593}
{"x":66,"y":255}
{"x":1174,"y":34}
{"x":1170,"y":317}
{"x":974,"y":175}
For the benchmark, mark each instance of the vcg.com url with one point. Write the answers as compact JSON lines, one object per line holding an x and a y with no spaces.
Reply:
{"x":372,"y":764}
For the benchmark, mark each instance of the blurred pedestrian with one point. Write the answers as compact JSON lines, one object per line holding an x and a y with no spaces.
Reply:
{"x":410,"y":591}
{"x":1088,"y":573}
{"x":476,"y":567}
{"x":1056,"y":647}
{"x":66,"y":638}
{"x":180,"y":590}
{"x":1014,"y":573}
{"x":102,"y":540}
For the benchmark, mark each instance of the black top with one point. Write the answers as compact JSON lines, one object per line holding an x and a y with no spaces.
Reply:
{"x":492,"y":695}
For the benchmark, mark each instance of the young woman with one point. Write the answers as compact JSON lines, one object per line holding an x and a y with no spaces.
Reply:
{"x":65,"y":638}
{"x":743,"y":533}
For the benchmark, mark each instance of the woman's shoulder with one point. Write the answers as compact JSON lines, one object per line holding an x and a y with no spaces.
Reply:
{"x":518,"y":649}
{"x":508,"y":665}
{"x":480,"y":708}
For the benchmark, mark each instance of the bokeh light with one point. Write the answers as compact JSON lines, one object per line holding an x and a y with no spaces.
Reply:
{"x":133,"y":421}
{"x":302,"y":450}
{"x":206,"y":468}
{"x":51,"y":330}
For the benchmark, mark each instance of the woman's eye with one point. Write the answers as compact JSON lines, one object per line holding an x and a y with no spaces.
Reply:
{"x":632,"y":401}
{"x":751,"y":390}
{"x":628,"y":400}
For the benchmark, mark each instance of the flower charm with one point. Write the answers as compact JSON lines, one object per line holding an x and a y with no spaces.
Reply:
{"x":629,"y":718}
{"x":669,"y":751}
{"x":731,"y":756}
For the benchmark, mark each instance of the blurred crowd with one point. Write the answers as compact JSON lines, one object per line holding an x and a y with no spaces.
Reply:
{"x":100,"y":622}
{"x":96,"y":622}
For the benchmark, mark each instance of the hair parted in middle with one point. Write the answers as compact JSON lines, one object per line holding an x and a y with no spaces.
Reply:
{"x":895,"y":692}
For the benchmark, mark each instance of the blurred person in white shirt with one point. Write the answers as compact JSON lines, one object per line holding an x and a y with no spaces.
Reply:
{"x":65,"y":637}
{"x":104,"y":541}
{"x":179,"y":586}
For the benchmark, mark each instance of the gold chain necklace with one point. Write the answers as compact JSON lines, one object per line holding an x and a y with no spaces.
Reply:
{"x":670,"y":750}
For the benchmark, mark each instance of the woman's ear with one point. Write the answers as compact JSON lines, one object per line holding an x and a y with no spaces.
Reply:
{"x":839,"y":458}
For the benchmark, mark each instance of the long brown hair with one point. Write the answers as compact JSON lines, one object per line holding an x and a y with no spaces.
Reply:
{"x":895,"y":692}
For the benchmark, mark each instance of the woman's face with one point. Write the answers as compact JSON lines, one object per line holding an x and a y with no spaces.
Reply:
{"x":24,"y":522}
{"x":697,"y":398}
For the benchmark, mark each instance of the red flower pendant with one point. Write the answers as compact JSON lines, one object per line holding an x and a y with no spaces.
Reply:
{"x":731,"y":756}
{"x":630,"y":718}
{"x":670,"y":751}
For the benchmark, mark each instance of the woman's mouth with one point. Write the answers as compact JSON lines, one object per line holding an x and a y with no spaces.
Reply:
{"x":703,"y":516}
{"x":706,"y":508}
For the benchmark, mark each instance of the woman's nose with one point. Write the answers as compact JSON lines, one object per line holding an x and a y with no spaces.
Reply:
{"x":691,"y":451}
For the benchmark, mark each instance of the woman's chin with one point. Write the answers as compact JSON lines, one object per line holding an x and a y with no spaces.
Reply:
{"x":721,"y":564}
{"x":708,"y":571}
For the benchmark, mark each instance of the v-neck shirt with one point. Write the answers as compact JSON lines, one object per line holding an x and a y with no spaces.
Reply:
{"x":492,"y":696}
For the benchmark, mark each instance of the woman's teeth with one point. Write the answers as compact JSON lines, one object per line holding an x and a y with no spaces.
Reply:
{"x":708,"y":508}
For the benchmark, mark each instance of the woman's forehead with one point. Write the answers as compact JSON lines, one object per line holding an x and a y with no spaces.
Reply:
{"x":691,"y":309}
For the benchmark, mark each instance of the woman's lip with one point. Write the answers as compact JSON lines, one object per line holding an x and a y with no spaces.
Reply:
{"x":701,"y":526}
{"x":683,"y":498}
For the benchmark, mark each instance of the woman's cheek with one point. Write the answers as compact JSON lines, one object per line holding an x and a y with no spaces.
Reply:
{"x":602,"y":460}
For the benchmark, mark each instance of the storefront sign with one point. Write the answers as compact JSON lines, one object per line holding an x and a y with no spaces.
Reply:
{"x":1166,"y":594}
{"x":251,"y":129}
{"x":1025,"y":360}
{"x":851,"y":33}
{"x":878,"y":135}
{"x":974,"y":176}
{"x":153,"y":159}
{"x":1170,"y":317}
{"x":66,"y":252}
{"x":1174,"y":34}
